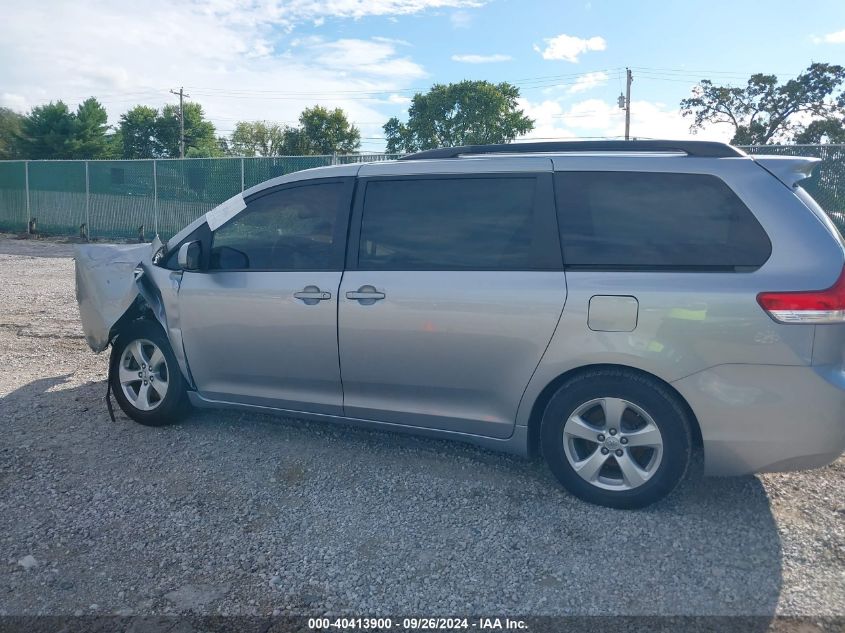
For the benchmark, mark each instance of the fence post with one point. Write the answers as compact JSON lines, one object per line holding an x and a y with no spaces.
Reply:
{"x":26,"y":185}
{"x":334,"y":158}
{"x":155,"y":197}
{"x":87,"y":202}
{"x":242,"y":174}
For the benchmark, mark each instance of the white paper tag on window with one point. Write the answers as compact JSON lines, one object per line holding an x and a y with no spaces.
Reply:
{"x":221,"y":214}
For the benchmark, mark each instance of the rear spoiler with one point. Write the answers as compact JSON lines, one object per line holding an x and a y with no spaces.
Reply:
{"x":790,"y":170}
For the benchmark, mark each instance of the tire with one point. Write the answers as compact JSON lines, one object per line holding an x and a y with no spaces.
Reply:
{"x":137,"y":382}
{"x":616,"y":438}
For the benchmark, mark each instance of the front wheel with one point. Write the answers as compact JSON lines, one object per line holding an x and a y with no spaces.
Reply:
{"x":145,"y":376}
{"x":616,"y":438}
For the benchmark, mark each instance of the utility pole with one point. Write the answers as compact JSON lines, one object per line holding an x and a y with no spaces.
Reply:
{"x":628,"y":80}
{"x":182,"y":95}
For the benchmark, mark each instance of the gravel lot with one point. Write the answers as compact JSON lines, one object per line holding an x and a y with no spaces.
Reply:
{"x":249,"y":514}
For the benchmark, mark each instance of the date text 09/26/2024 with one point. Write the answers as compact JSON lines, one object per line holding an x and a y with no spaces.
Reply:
{"x":421,"y":624}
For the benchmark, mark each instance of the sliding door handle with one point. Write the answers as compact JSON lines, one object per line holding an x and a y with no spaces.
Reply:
{"x":366,"y":295}
{"x":312,"y":295}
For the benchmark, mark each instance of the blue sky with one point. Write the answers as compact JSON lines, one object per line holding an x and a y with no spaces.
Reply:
{"x":268,"y":59}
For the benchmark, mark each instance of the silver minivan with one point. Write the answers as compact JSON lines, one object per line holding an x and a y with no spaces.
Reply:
{"x":610,"y":306}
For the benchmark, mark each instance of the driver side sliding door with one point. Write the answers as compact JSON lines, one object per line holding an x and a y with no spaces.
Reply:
{"x":260,"y":319}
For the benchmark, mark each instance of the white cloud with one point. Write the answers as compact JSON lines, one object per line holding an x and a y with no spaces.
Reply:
{"x":367,"y":57}
{"x":589,"y":81}
{"x":569,"y":47}
{"x":235,"y":57}
{"x":460,"y":20}
{"x":291,"y":12}
{"x":15,"y":102}
{"x":596,"y":118}
{"x":547,"y":122}
{"x":481,"y":59}
{"x":837,"y":37}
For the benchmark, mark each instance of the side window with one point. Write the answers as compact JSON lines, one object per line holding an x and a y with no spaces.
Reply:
{"x":452,"y":224}
{"x":656,"y":220}
{"x":291,"y":229}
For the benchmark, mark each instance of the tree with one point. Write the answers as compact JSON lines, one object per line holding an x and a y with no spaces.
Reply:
{"x":261,"y":138}
{"x":322,"y":131}
{"x":465,"y":113}
{"x":53,"y":131}
{"x":47,"y":132}
{"x":10,"y":132}
{"x":138,"y":131}
{"x":827,"y":130}
{"x":90,"y":127}
{"x":200,"y":135}
{"x":764,"y":110}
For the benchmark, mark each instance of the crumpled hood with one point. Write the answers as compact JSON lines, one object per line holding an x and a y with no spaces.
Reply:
{"x":106,"y":285}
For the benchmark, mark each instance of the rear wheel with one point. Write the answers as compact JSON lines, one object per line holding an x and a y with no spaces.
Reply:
{"x":146,"y":379}
{"x":616,"y":438}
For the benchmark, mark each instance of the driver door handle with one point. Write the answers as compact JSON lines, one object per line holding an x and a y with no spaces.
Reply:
{"x":367,"y":295}
{"x":312,"y":295}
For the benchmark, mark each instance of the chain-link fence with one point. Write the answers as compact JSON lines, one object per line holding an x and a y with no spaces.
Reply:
{"x":133,"y":198}
{"x":130,"y":198}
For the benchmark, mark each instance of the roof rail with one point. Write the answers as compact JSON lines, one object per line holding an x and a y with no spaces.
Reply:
{"x":706,"y":149}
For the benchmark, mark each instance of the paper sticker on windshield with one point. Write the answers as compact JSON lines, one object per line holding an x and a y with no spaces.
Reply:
{"x":219,"y":215}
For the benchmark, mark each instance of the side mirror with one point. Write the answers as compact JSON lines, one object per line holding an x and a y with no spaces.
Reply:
{"x":189,"y":256}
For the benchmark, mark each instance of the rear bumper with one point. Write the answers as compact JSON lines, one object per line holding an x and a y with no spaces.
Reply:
{"x":767,"y":418}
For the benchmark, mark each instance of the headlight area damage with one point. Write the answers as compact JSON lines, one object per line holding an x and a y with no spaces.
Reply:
{"x":109,"y":281}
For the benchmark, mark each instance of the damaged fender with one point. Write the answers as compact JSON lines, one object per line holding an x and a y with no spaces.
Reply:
{"x":111,"y":277}
{"x":106,"y":286}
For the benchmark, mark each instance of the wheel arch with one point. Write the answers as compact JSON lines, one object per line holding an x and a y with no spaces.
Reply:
{"x":545,"y":395}
{"x":142,"y":311}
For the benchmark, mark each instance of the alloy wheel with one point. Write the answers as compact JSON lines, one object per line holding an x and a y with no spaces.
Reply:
{"x":612,"y":444}
{"x":143,"y":374}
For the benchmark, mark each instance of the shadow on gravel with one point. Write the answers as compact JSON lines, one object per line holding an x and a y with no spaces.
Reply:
{"x":254,"y":513}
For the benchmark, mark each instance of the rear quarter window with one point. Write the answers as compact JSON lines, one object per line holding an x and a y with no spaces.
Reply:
{"x":646,"y":220}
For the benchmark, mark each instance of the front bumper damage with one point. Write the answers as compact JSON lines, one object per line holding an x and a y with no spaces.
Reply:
{"x":113,"y":280}
{"x":108,"y":278}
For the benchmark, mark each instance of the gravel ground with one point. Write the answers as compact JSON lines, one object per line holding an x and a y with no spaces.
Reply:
{"x":248,"y":514}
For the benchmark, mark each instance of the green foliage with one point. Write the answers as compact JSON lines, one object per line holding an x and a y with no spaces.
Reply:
{"x":764,"y":110}
{"x":52,"y":131}
{"x":10,"y":131}
{"x":827,"y":130}
{"x":138,"y":133}
{"x":145,"y":132}
{"x":200,"y":135}
{"x":90,"y":128}
{"x":257,"y":138}
{"x":464,"y":113}
{"x":323,"y":131}
{"x":47,"y":132}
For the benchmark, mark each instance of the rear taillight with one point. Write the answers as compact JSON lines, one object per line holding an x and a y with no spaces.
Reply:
{"x":813,"y":306}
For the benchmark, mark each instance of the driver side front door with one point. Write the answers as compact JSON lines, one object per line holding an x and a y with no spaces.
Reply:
{"x":260,"y":321}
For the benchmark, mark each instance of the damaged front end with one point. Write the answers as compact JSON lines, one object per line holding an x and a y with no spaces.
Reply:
{"x":108,"y":283}
{"x":117,"y":284}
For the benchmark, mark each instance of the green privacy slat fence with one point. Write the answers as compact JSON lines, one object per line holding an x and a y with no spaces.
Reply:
{"x":827,"y":184}
{"x":119,"y":199}
{"x":57,"y":191}
{"x":13,"y":203}
{"x":128,"y":198}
